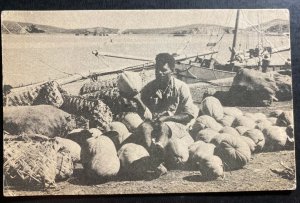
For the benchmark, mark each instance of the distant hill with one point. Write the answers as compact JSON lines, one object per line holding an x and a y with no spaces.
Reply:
{"x":23,"y":28}
{"x":273,"y":26}
{"x":188,"y":29}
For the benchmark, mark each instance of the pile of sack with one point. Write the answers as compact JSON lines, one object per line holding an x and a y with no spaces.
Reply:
{"x":254,"y":88}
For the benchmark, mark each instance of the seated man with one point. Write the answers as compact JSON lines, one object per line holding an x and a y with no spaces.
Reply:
{"x":167,"y":103}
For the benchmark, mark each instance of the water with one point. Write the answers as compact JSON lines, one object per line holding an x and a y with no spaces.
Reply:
{"x":34,"y":58}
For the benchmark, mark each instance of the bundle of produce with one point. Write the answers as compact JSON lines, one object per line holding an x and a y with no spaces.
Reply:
{"x":46,"y":93}
{"x":275,"y":137}
{"x":275,"y":113}
{"x":41,"y":119}
{"x":179,"y":131}
{"x":205,"y":121}
{"x":258,"y":138}
{"x":99,"y":158}
{"x":117,"y":103}
{"x":81,"y":135}
{"x":30,"y":163}
{"x":98,"y":113}
{"x":211,"y":106}
{"x":234,"y":152}
{"x":135,"y":160}
{"x":229,"y":130}
{"x":273,"y":120}
{"x":252,"y":88}
{"x":206,"y":135}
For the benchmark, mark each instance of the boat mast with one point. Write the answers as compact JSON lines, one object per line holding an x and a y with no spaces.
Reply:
{"x":234,"y":38}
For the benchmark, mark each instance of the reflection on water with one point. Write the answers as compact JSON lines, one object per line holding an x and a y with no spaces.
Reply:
{"x":33,"y":58}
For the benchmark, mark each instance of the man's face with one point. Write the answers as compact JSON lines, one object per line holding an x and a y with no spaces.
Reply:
{"x":163,"y":73}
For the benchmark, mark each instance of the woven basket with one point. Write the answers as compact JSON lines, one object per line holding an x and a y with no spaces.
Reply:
{"x":30,"y":163}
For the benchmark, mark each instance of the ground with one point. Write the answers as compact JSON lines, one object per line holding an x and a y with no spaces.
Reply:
{"x":257,"y":175}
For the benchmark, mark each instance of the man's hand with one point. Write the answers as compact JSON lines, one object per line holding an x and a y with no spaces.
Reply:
{"x":163,"y":118}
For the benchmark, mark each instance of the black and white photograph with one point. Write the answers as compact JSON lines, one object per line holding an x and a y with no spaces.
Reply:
{"x":99,"y":102}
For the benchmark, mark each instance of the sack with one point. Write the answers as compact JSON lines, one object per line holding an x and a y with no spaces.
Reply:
{"x":275,"y":137}
{"x":234,"y":152}
{"x":211,"y":167}
{"x":216,"y":140}
{"x":132,"y":121}
{"x":229,"y":130}
{"x":242,"y":129}
{"x":285,"y":119}
{"x":203,"y":122}
{"x":250,"y":142}
{"x":135,"y":159}
{"x":252,"y":88}
{"x":206,"y":135}
{"x":258,"y":138}
{"x":177,"y":153}
{"x":262,"y":124}
{"x":227,"y":120}
{"x":72,"y":148}
{"x":122,"y":131}
{"x":129,"y":84}
{"x":211,"y":106}
{"x":42,"y":119}
{"x":199,"y":150}
{"x":99,"y":158}
{"x":244,"y":121}
{"x":232,"y":111}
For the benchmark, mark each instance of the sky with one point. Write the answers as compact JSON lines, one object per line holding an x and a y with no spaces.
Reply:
{"x":128,"y":19}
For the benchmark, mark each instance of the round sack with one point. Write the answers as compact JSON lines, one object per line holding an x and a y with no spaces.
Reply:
{"x":227,"y":120}
{"x":219,"y":138}
{"x":177,"y":153}
{"x":211,"y":167}
{"x":258,"y":138}
{"x":285,"y":119}
{"x":234,"y":152}
{"x":99,"y":158}
{"x":198,"y":151}
{"x":242,"y":129}
{"x":70,"y":146}
{"x":131,"y":121}
{"x":41,"y":119}
{"x":121,"y":129}
{"x":206,"y":135}
{"x":211,"y":106}
{"x":134,"y":159}
{"x":275,"y":113}
{"x":244,"y":121}
{"x":275,"y":137}
{"x":262,"y":124}
{"x":229,"y":130}
{"x":205,"y":121}
{"x":273,"y":120}
{"x":250,"y":143}
{"x":232,"y":111}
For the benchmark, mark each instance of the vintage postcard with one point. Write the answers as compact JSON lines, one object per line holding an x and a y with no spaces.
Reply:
{"x":147,"y":101}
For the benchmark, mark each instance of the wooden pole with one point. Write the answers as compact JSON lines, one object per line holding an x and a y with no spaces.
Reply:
{"x":234,"y":38}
